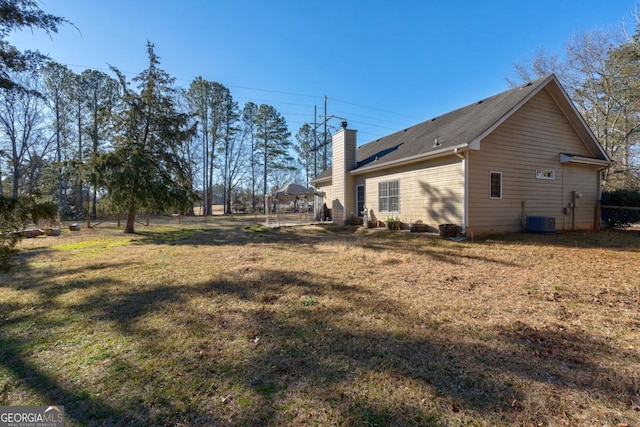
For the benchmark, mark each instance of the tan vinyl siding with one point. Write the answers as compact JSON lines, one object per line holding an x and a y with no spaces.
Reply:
{"x":430,"y":192}
{"x":350,"y":183}
{"x":581,"y":178}
{"x":531,"y":139}
{"x":336,"y":201}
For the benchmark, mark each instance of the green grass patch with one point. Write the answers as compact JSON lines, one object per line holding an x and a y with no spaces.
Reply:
{"x":219,"y":324}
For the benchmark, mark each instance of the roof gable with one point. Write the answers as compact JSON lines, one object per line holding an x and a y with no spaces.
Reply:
{"x":467,"y":126}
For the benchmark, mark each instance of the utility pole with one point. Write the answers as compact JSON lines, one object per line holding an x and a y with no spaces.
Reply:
{"x":315,"y":141}
{"x":324,"y":155}
{"x":324,"y":144}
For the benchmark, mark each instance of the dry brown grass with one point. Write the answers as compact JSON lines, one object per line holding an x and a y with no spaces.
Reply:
{"x":203,"y":324}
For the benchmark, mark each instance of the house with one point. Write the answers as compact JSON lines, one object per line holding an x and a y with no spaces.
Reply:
{"x":489,"y":167}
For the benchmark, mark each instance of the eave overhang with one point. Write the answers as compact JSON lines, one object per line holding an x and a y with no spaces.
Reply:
{"x":582,"y":160}
{"x":320,"y":180}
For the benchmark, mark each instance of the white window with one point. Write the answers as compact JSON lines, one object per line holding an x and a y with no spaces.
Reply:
{"x":389,"y":196}
{"x":545,"y":174}
{"x":495,"y":185}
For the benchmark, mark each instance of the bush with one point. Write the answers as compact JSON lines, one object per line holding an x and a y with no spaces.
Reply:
{"x":14,"y":215}
{"x":11,"y":216}
{"x":620,"y":217}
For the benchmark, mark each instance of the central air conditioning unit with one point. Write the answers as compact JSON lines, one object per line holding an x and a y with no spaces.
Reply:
{"x":541,"y":224}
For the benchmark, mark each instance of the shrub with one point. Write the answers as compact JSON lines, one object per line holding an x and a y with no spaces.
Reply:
{"x":620,"y":217}
{"x":14,"y":215}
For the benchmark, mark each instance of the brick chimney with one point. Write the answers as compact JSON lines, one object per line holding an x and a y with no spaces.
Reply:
{"x":343,"y":201}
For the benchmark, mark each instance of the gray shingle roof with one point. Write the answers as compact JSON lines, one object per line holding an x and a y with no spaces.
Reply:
{"x":458,"y":127}
{"x":461,"y":127}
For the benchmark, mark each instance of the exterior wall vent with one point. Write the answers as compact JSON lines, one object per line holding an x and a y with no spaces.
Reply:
{"x":541,"y":224}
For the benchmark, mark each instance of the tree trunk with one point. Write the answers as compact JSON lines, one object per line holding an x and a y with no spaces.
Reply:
{"x":205,"y":169}
{"x":79,"y":184}
{"x":16,"y":180}
{"x":94,"y":200}
{"x":253,"y":176}
{"x":210,"y":197}
{"x":131,"y":219}
{"x":59,"y":159}
{"x":228,"y":201}
{"x":264,"y":184}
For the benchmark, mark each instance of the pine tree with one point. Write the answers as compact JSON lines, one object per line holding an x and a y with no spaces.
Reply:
{"x":249,"y":114}
{"x":273,"y":141}
{"x":16,"y":15}
{"x":230,"y":145}
{"x":58,"y":81}
{"x":145,"y":170}
{"x":100,"y":98}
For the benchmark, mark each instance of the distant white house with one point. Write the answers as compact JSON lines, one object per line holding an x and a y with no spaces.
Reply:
{"x":487,"y":167}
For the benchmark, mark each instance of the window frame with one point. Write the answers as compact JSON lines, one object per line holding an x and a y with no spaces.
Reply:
{"x":364,"y":198}
{"x":548,"y":174}
{"x":491,"y":185}
{"x":388,"y":197}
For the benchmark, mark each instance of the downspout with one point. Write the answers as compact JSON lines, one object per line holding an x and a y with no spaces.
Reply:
{"x":465,"y":185}
{"x":597,"y":223}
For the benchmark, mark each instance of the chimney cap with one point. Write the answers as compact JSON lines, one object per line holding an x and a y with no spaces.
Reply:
{"x":343,"y":124}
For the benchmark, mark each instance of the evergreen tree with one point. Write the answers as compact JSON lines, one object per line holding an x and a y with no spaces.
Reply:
{"x":209,"y":102}
{"x":58,"y":81}
{"x":77,"y":163}
{"x":16,"y":15}
{"x":145,"y":170}
{"x":199,"y":97}
{"x":100,"y":97}
{"x":189,"y":151}
{"x":273,"y":141}
{"x":249,"y":114}
{"x":230,"y":145}
{"x":15,"y":213}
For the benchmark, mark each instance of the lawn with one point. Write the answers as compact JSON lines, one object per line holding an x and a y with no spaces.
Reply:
{"x":220,"y":323}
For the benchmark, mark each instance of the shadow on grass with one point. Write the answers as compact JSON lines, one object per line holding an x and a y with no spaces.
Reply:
{"x":478,"y":378}
{"x":80,"y":406}
{"x":616,"y":239}
{"x":306,"y":240}
{"x":264,"y":347}
{"x":291,"y":351}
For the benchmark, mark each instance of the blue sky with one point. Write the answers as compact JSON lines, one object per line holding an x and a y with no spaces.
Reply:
{"x":384,"y":65}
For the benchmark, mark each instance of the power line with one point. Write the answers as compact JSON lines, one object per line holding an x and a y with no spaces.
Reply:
{"x":276,"y":91}
{"x":392,"y":122}
{"x":288,"y":93}
{"x":274,"y":102}
{"x":375,"y":108}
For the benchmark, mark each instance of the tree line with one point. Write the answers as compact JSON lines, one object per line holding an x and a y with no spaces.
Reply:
{"x":95,"y":141}
{"x":58,"y":138}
